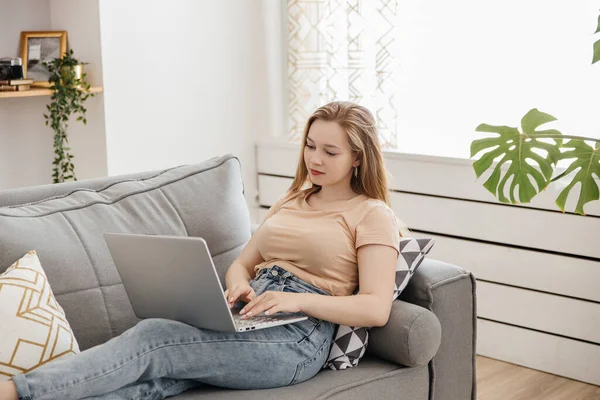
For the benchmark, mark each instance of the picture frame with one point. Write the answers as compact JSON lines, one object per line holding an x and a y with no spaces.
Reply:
{"x":38,"y":47}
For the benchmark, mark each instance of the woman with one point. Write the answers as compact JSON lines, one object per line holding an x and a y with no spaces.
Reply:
{"x":309,"y":255}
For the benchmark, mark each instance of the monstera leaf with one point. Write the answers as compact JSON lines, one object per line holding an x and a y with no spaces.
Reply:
{"x":587,"y":160}
{"x":516,"y":148}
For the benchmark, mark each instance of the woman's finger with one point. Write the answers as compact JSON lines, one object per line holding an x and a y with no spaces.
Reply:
{"x":228,"y":294}
{"x":272,"y":310}
{"x":251,"y":304}
{"x":250,"y":294}
{"x":233,"y":296}
{"x":258,"y":308}
{"x":249,"y":309}
{"x":266,"y":306}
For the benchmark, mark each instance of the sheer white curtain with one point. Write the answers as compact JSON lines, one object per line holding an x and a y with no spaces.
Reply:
{"x":343,"y":50}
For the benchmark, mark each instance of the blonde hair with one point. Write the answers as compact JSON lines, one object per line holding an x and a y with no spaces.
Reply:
{"x":363,"y":138}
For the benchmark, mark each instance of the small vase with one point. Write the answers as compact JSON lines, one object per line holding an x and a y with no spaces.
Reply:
{"x":78,"y":70}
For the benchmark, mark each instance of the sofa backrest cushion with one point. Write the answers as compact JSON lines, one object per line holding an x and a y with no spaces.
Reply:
{"x":66,"y":226}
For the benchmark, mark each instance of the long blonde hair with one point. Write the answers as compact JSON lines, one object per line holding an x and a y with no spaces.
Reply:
{"x":361,"y":127}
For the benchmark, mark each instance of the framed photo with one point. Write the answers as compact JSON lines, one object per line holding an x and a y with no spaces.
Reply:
{"x":39,"y":47}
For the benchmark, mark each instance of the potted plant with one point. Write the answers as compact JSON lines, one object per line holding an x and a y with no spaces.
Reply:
{"x":69,"y":93}
{"x":517,"y":147}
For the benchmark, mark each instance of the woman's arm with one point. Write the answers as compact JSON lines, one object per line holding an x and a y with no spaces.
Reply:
{"x":370,"y":307}
{"x":240,"y":272}
{"x":242,"y":269}
{"x":373,"y":303}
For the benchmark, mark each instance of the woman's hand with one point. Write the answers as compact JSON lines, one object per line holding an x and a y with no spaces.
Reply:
{"x":271,"y":302}
{"x":239,"y":291}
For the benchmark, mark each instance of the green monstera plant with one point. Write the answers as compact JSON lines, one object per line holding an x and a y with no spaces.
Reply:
{"x":518,"y":147}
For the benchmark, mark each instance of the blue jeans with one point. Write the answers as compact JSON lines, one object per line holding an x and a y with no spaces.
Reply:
{"x":158,"y":358}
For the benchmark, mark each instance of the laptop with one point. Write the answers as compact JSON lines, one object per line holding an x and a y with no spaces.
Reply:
{"x":174,"y":277}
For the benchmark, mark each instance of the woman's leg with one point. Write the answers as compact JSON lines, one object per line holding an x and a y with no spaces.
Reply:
{"x":8,"y":391}
{"x":156,"y":348}
{"x":168,"y":349}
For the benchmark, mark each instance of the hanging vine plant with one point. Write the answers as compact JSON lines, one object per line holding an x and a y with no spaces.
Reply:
{"x":69,"y":93}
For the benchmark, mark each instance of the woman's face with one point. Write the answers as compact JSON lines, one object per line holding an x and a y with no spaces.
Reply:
{"x":327,"y":154}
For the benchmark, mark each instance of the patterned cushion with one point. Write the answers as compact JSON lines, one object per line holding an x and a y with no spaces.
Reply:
{"x":350,"y":343}
{"x":33,"y":329}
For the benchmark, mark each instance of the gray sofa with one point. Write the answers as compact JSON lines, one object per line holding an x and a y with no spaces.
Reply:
{"x":426,"y":351}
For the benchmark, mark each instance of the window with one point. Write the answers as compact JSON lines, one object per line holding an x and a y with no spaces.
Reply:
{"x":468,"y":62}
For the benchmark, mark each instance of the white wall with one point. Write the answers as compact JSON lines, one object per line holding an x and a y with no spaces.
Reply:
{"x":184,"y":83}
{"x":25,"y":144}
{"x":26,"y":151}
{"x":276,"y":32}
{"x":467,"y":62}
{"x":17,"y":16}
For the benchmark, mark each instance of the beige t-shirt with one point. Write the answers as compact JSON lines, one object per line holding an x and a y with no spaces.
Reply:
{"x":319,"y":245}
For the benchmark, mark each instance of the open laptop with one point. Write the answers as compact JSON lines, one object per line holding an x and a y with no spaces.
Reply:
{"x":174,"y":277}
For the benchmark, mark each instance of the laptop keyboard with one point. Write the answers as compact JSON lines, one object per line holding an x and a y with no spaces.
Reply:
{"x":254,"y":321}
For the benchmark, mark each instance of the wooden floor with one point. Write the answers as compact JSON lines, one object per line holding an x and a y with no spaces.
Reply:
{"x":497,"y":380}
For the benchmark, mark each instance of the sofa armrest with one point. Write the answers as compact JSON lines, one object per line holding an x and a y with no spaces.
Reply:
{"x":449,"y":292}
{"x":411,"y":337}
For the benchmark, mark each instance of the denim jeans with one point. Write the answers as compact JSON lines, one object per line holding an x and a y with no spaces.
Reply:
{"x":158,"y":358}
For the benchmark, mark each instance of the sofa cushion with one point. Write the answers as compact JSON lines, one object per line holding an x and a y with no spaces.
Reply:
{"x":34,"y":330}
{"x":372,"y":379}
{"x":66,"y":228}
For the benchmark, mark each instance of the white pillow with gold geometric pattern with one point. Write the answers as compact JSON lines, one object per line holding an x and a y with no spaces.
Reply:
{"x":33,"y":328}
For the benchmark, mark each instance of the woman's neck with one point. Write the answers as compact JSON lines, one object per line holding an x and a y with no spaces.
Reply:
{"x":330,"y":195}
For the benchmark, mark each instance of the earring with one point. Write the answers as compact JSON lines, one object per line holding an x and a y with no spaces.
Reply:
{"x":356,"y":172}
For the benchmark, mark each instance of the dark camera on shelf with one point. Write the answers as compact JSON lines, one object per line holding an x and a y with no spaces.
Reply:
{"x":11,"y":68}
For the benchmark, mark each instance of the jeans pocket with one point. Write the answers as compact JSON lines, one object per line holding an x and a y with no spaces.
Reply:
{"x":310,"y":367}
{"x":314,"y":320}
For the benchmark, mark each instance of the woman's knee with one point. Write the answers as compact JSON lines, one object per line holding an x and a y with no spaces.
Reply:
{"x":155,"y":332}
